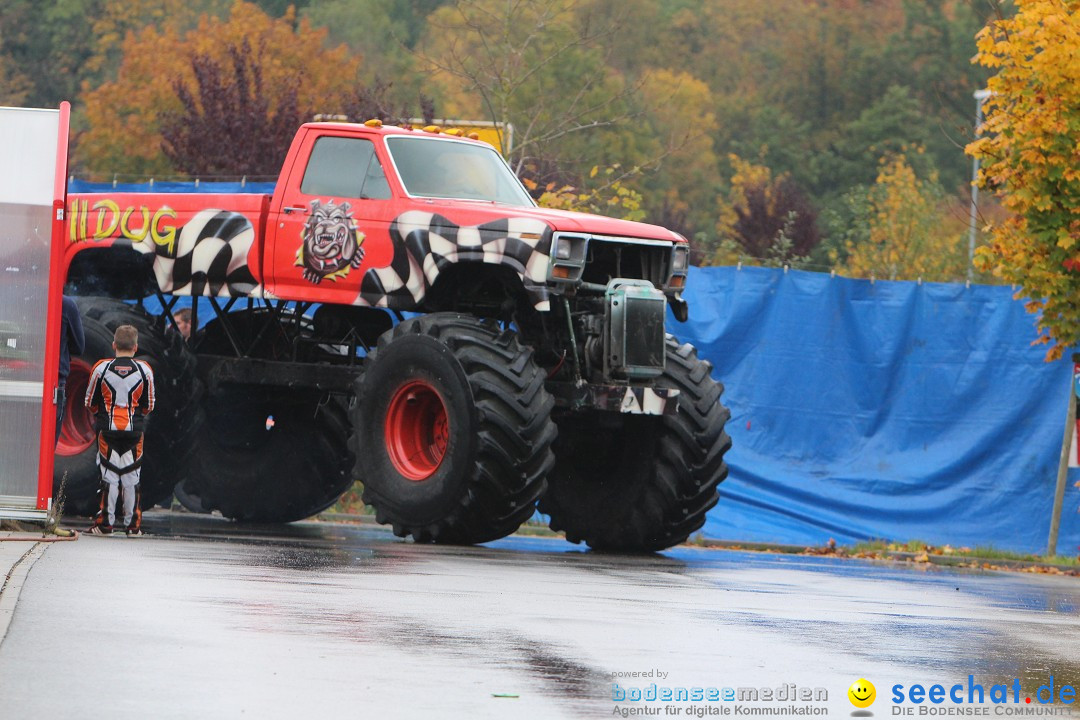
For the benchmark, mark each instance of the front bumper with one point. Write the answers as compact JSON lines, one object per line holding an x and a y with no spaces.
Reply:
{"x":627,"y":399}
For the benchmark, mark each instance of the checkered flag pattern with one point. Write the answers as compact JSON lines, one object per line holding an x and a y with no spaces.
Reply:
{"x":427,"y":243}
{"x":211,"y":258}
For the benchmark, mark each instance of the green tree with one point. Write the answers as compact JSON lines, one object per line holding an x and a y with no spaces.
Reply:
{"x":892,"y":125}
{"x":51,"y":45}
{"x":63,"y":46}
{"x":384,"y":35}
{"x":535,"y":65}
{"x":278,"y":8}
{"x":930,"y":57}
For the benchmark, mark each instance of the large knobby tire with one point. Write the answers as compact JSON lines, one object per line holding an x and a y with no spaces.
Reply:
{"x":453,"y":430}
{"x":188,"y":500}
{"x":270,"y":455}
{"x":266,"y":454}
{"x":168,"y":440}
{"x":638,"y":483}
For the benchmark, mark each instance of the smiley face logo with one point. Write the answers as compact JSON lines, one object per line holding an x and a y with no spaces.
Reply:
{"x":862,"y":693}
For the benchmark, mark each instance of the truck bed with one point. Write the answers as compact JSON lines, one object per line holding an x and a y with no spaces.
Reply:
{"x":203,"y":243}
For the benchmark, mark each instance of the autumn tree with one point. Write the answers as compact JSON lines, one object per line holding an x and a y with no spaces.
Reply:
{"x":63,"y":46}
{"x":110,"y":27}
{"x":125,"y":116}
{"x":226,"y":125}
{"x":1029,"y":159}
{"x":903,"y":230}
{"x":764,"y":217}
{"x":14,"y":85}
{"x":798,"y":77}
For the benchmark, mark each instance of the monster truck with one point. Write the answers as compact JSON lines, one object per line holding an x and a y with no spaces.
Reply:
{"x":400,"y":312}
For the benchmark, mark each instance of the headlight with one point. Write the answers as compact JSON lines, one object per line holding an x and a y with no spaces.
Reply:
{"x":680,"y":259}
{"x":568,"y":257}
{"x":564,"y":249}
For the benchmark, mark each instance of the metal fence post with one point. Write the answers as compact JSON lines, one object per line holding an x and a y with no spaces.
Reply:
{"x":1063,"y":464}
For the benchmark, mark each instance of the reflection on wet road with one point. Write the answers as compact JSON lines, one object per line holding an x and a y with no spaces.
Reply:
{"x":211,"y":619}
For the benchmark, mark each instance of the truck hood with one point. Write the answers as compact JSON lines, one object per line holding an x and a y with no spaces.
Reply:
{"x":558,"y":220}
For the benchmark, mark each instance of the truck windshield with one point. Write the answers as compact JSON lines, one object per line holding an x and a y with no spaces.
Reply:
{"x":443,"y":168}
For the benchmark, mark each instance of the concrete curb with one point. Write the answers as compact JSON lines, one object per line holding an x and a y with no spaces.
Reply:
{"x":960,"y":561}
{"x":13,"y":583}
{"x":980,"y":562}
{"x":37,"y":537}
{"x":896,"y":556}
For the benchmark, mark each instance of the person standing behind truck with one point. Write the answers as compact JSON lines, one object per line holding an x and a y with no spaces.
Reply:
{"x":72,"y":342}
{"x":121,"y":396}
{"x":182,"y":318}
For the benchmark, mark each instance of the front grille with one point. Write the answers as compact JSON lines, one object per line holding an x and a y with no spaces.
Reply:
{"x":644,"y":332}
{"x":613,"y":258}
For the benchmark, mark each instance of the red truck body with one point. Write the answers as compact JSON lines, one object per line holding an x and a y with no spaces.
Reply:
{"x":260,"y":250}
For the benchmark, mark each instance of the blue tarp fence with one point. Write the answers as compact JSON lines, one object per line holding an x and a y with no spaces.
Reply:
{"x":165,"y":186}
{"x":881,"y":410}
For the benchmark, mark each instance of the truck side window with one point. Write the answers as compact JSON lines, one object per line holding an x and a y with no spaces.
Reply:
{"x":346,"y":168}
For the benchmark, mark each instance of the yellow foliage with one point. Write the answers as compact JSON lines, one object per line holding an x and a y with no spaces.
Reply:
{"x":612,"y":198}
{"x":746,"y":177}
{"x":123,"y":115}
{"x":909,"y":233}
{"x":1030,"y":160}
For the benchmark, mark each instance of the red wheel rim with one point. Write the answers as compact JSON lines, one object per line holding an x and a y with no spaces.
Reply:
{"x":417,"y":430}
{"x":77,"y":429}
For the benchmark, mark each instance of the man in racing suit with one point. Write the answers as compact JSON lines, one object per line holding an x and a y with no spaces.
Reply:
{"x":121,"y":395}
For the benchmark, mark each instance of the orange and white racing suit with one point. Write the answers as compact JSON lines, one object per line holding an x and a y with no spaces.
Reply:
{"x":121,"y":395}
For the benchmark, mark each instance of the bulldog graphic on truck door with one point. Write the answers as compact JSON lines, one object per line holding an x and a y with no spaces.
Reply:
{"x":331,"y":242}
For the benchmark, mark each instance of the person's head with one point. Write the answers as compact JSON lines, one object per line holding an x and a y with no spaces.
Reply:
{"x":125,"y":341}
{"x":183,"y":322}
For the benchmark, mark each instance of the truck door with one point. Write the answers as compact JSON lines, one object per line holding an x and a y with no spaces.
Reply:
{"x":32,"y":191}
{"x":332,"y":222}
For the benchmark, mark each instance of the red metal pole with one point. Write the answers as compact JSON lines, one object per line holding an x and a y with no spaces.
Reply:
{"x":56,"y":291}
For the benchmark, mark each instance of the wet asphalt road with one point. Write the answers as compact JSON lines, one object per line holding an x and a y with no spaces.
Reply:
{"x":209,"y":619}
